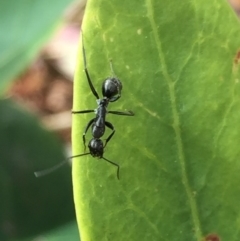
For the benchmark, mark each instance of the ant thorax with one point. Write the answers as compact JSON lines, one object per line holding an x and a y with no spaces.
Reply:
{"x":103,"y":102}
{"x":102,"y":107}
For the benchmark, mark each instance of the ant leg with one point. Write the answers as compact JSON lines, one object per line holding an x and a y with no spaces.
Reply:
{"x":115,"y":164}
{"x":82,"y":111}
{"x":86,"y":129}
{"x":128,"y":113}
{"x":110,"y":126}
{"x":86,"y":71}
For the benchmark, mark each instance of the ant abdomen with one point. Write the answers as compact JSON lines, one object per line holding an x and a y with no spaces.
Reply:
{"x":111,"y":88}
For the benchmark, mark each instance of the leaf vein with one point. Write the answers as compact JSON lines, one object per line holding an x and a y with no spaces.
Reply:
{"x":176,"y":123}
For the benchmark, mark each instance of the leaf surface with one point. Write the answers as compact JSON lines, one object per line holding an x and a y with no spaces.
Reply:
{"x":179,"y":154}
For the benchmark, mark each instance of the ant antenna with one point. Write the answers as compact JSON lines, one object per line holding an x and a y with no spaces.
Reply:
{"x":111,"y":67}
{"x":52,"y":169}
{"x":84,"y":53}
{"x":86,"y":71}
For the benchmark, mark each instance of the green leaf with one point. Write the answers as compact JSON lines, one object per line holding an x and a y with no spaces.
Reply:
{"x":62,"y":233}
{"x":30,"y":205}
{"x":25,"y":25}
{"x":179,"y":156}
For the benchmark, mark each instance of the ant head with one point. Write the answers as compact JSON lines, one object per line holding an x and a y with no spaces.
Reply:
{"x":111,"y":89}
{"x":96,"y":147}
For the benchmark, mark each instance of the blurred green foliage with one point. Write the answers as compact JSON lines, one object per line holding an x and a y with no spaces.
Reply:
{"x":25,"y":26}
{"x":30,"y":206}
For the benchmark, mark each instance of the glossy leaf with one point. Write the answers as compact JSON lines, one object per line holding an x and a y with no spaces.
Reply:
{"x":179,"y":156}
{"x":25,"y":25}
{"x":62,"y":233}
{"x":30,"y":205}
{"x":67,"y":232}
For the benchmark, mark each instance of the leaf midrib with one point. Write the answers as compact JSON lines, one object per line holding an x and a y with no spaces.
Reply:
{"x":176,"y":124}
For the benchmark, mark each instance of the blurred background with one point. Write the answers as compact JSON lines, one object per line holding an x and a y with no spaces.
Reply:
{"x":38,"y":43}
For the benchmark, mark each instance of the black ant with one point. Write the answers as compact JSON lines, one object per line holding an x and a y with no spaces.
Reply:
{"x":111,"y":91}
